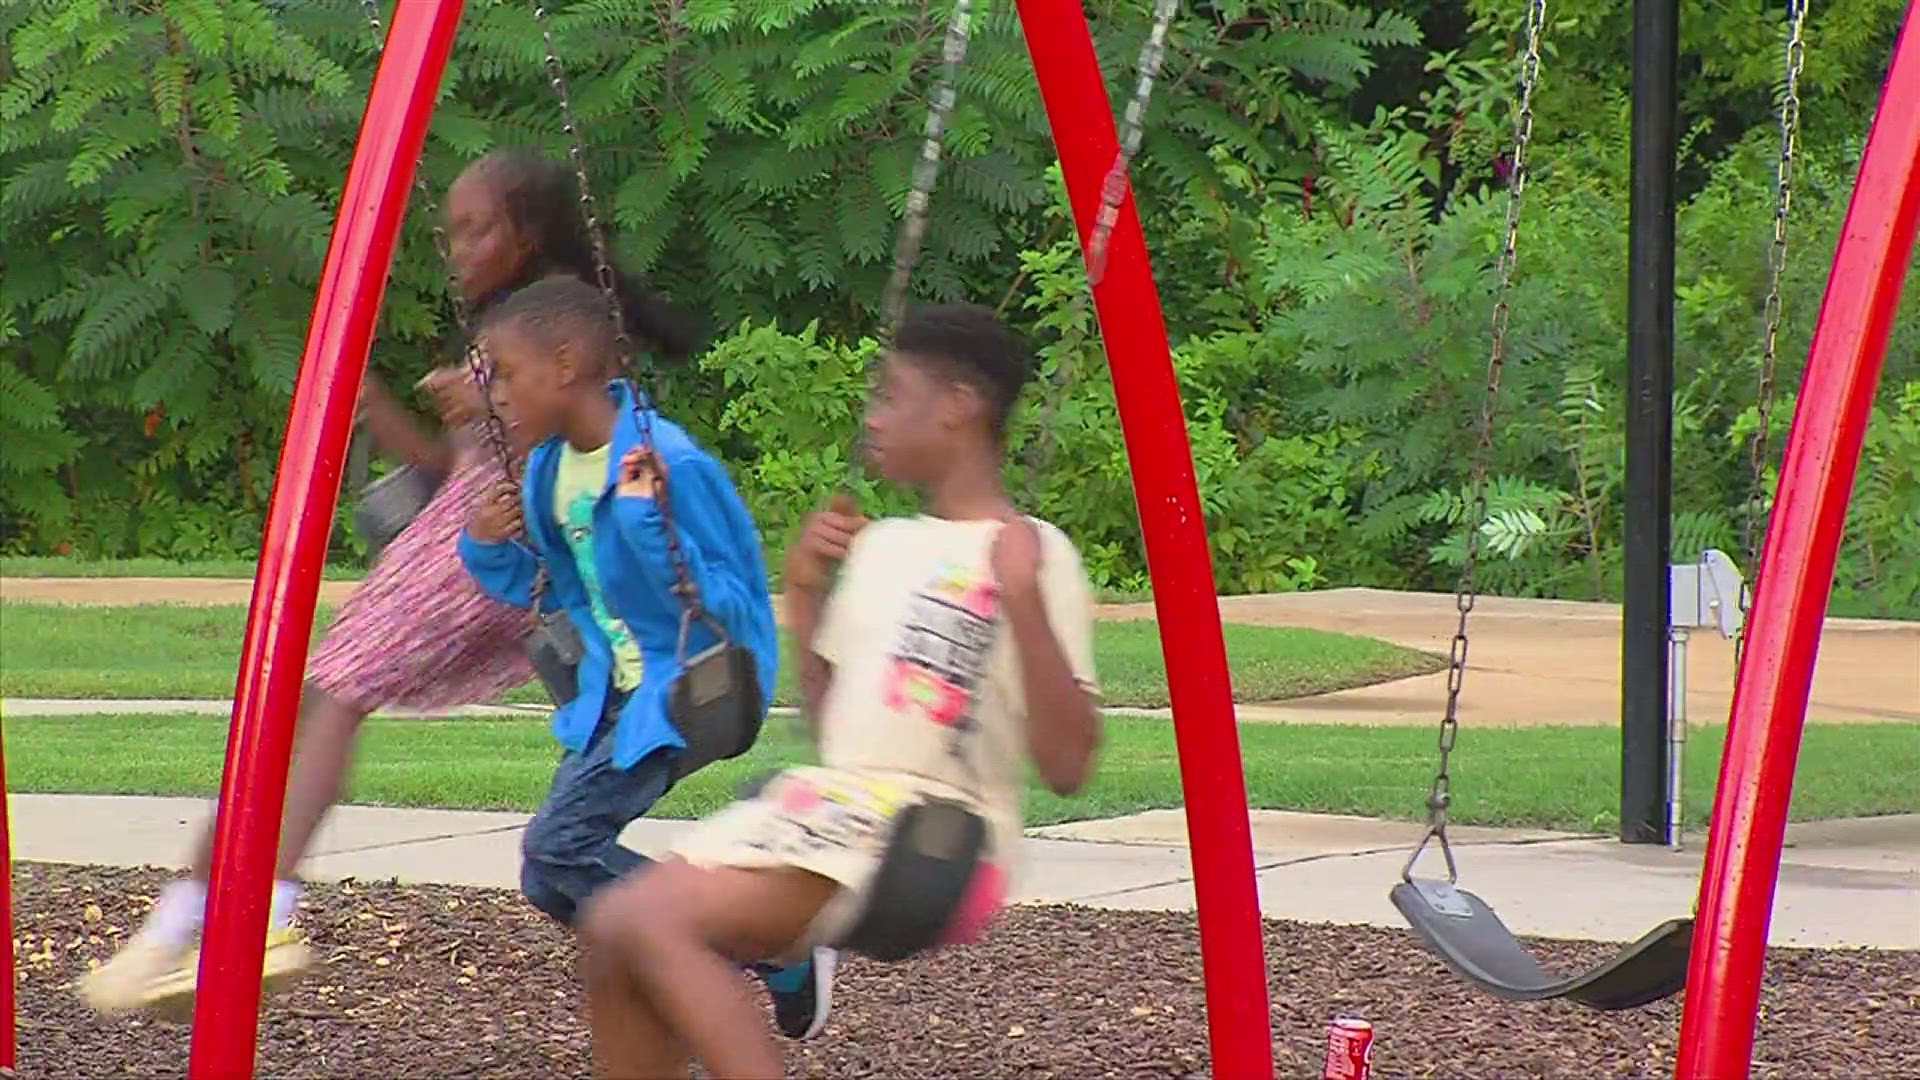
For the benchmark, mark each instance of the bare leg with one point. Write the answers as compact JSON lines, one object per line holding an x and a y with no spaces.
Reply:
{"x":323,"y":751}
{"x":630,"y":1041}
{"x":679,"y":933}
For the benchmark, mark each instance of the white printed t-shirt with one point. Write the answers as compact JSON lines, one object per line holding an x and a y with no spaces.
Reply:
{"x":926,"y":700}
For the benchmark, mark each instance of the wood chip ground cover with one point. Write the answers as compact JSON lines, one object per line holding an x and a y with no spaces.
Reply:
{"x":439,"y":982}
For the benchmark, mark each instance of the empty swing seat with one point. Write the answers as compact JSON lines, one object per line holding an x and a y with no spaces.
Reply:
{"x":1473,"y":941}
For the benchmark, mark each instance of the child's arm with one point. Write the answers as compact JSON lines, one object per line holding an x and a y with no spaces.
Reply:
{"x":399,"y":434}
{"x":714,"y":541}
{"x":1050,"y":614}
{"x":503,"y":567}
{"x":825,"y":541}
{"x":805,"y":612}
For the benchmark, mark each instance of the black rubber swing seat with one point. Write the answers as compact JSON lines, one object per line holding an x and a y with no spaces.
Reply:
{"x":1473,"y":941}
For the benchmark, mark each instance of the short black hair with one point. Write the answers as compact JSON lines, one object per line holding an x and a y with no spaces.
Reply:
{"x":971,"y":345}
{"x":561,"y":310}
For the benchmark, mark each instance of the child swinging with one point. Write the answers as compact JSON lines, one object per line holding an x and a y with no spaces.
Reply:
{"x":954,"y":646}
{"x":417,"y":633}
{"x":592,"y":516}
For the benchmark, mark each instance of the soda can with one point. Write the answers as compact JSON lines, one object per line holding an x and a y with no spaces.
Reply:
{"x":1349,"y":1049}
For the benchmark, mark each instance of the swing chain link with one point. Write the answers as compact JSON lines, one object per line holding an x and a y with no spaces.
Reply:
{"x":1113,"y":195}
{"x":1758,"y":447}
{"x":1113,"y":190}
{"x":913,"y":226}
{"x":474,"y":352}
{"x":913,"y":223}
{"x":1440,"y":796}
{"x":684,"y":588}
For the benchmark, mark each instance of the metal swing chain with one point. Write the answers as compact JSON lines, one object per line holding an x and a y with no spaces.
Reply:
{"x":462,"y":317}
{"x":684,"y":587}
{"x":913,"y":225}
{"x":1113,"y":193}
{"x":1113,"y":189}
{"x":1440,"y":796}
{"x":473,"y":352}
{"x":1758,"y":447}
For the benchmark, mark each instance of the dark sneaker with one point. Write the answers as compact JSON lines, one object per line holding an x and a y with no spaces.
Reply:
{"x":802,"y":994}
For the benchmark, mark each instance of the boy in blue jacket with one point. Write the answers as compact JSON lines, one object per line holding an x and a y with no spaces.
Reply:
{"x":586,"y":511}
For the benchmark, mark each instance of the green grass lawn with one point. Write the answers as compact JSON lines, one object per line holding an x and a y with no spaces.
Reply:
{"x":63,"y":566}
{"x":32,"y":566}
{"x":1552,"y":777}
{"x":174,"y":651}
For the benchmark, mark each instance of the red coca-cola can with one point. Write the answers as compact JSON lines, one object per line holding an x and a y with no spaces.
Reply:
{"x":1349,"y":1049}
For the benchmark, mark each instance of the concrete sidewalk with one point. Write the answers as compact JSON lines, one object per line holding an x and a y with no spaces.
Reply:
{"x":1846,"y":883}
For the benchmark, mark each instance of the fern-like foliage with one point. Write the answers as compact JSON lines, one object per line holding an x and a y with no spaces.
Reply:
{"x":146,"y":193}
{"x":169,"y":172}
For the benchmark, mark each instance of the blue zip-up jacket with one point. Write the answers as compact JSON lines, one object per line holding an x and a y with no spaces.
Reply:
{"x":636,"y":577}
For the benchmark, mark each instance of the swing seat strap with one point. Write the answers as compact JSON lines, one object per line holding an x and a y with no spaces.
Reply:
{"x":926,"y":883}
{"x":716,"y":706}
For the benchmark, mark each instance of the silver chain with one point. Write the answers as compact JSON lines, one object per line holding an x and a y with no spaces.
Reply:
{"x":589,"y":208}
{"x":1113,"y":194}
{"x":1113,"y":190}
{"x":913,"y":226}
{"x":1440,"y":796}
{"x":1758,"y":448}
{"x":684,"y":587}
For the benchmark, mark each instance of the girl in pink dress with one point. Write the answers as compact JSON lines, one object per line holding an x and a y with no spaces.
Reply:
{"x":417,"y":633}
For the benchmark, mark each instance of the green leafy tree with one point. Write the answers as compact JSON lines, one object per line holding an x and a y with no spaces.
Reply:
{"x":170,"y":172}
{"x":1731,"y":68}
{"x":160,"y":260}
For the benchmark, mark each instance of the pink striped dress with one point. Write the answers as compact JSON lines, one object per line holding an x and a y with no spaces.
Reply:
{"x":418,"y":633}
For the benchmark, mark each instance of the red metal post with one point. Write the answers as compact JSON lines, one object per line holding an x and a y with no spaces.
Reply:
{"x":1168,"y":499}
{"x":8,"y":1003}
{"x":1803,"y":534}
{"x":299,"y":521}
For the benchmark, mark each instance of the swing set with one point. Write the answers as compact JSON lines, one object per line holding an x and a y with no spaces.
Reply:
{"x":1778,"y":638}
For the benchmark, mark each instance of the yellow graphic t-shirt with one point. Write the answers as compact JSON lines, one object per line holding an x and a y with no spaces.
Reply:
{"x":926,"y":681}
{"x":926,"y":702}
{"x":578,"y":482}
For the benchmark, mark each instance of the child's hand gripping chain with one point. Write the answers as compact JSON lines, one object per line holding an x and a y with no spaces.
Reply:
{"x":822,"y":544}
{"x":454,"y":395}
{"x":641,"y":473}
{"x":497,"y":517}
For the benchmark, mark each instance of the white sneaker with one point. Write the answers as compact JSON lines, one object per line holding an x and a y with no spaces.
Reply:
{"x":151,"y":976}
{"x":126,"y":982}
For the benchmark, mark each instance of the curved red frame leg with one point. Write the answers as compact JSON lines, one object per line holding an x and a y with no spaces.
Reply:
{"x":299,"y":521}
{"x":1232,"y":953}
{"x":1803,"y":537}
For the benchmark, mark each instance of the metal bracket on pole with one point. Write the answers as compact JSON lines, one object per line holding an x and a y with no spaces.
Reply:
{"x":1701,"y":596}
{"x":1706,"y":595}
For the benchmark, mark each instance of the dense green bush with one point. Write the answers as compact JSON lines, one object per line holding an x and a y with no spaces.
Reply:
{"x":1317,"y":187}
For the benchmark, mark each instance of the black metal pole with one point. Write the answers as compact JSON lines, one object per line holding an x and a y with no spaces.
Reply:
{"x":1649,"y":473}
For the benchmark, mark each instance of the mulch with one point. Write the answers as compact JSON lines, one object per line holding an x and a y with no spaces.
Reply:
{"x":438,"y":982}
